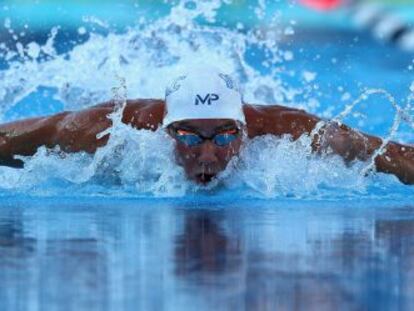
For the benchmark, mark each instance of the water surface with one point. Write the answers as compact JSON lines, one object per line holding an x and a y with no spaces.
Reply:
{"x":186,"y":255}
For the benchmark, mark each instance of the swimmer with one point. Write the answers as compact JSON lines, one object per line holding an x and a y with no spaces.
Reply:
{"x":203,"y":112}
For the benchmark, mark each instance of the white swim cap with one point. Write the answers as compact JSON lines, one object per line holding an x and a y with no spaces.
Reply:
{"x":203,"y":93}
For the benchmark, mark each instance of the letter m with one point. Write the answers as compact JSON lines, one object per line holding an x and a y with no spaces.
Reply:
{"x":201,"y":99}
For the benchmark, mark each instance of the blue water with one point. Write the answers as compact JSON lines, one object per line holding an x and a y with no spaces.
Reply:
{"x":101,"y":244}
{"x":185,"y":255}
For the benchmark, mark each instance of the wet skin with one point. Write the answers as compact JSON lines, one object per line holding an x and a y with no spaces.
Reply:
{"x":204,"y":161}
{"x":77,"y":131}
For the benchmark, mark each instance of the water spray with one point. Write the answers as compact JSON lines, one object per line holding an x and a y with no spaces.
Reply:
{"x":401,"y":114}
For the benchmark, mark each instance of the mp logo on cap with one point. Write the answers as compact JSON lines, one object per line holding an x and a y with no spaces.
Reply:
{"x":211,"y":97}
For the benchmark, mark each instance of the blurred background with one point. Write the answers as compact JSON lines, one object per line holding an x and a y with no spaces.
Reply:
{"x":41,"y":14}
{"x":26,"y":17}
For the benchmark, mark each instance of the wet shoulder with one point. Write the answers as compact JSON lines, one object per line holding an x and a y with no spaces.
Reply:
{"x":144,"y":113}
{"x":277,"y":120}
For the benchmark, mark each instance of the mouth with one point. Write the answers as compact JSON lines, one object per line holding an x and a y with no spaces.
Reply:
{"x":204,"y":178}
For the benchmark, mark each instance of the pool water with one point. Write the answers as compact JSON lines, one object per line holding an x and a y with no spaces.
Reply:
{"x":194,"y":255}
{"x":281,"y":229}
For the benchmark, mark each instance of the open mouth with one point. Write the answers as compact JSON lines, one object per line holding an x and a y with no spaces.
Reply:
{"x":205,"y":178}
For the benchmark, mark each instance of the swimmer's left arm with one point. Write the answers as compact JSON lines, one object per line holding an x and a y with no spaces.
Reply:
{"x":396,"y":159}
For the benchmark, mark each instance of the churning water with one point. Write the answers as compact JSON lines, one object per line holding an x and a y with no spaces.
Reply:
{"x":140,"y":61}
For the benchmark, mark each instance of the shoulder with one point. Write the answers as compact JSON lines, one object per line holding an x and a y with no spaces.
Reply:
{"x":139,"y":113}
{"x":277,"y":120}
{"x":144,"y":113}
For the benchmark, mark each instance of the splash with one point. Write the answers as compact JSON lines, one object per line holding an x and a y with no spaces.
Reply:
{"x":142,"y":54}
{"x":285,"y":168}
{"x":141,"y":163}
{"x":401,"y":114}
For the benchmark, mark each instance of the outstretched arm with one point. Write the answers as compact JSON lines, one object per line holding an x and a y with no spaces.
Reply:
{"x":69,"y":130}
{"x":72,"y":131}
{"x":395,"y":158}
{"x":351,"y":145}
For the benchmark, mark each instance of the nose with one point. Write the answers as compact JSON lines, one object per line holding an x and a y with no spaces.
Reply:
{"x":207,"y":154}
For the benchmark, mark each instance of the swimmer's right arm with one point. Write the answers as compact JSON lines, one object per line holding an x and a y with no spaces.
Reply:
{"x":24,"y":137}
{"x":72,"y":131}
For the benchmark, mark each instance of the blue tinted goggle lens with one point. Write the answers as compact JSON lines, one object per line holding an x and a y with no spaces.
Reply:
{"x":224,"y":139}
{"x":193,"y":139}
{"x":190,"y":139}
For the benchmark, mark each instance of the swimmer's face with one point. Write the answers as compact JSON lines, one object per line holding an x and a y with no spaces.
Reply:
{"x":204,"y":147}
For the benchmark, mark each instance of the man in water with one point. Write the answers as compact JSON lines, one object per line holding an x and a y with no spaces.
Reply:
{"x":204,"y":113}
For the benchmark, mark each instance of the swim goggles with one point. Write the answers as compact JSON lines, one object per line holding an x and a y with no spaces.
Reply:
{"x":192,"y":139}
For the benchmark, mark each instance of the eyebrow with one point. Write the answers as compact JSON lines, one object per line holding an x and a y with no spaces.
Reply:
{"x":226,"y":126}
{"x":185,"y":127}
{"x":216,"y":129}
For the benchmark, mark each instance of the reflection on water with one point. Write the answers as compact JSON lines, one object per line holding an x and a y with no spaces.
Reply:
{"x":150,"y":255}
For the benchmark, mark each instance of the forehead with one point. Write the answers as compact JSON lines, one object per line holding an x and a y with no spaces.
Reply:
{"x":205,"y":124}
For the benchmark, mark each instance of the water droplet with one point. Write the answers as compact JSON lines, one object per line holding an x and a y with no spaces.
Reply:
{"x":288,"y":55}
{"x":81,"y":30}
{"x":33,"y":50}
{"x":7,"y":23}
{"x":346,"y":96}
{"x":289,"y":31}
{"x":309,"y":76}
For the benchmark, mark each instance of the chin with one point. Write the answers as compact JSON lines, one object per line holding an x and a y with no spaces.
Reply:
{"x":204,"y":179}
